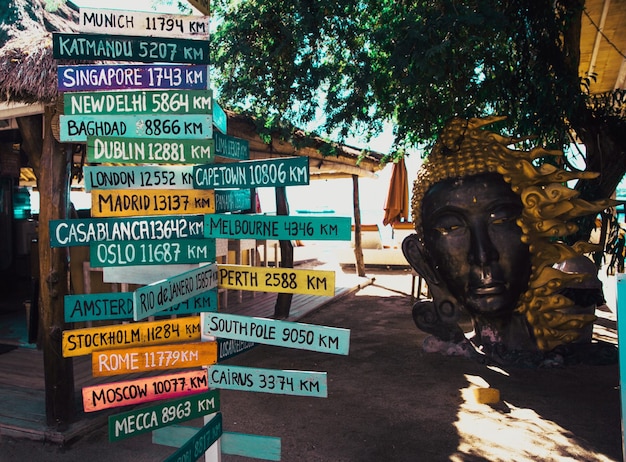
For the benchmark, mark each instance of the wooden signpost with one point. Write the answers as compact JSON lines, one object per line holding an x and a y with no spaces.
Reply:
{"x":289,"y":171}
{"x":118,"y":22}
{"x":98,"y":47}
{"x":161,"y":415}
{"x":66,"y":233}
{"x":153,"y":358}
{"x":128,"y":203}
{"x":278,"y":227}
{"x":78,"y":342}
{"x":139,"y":102}
{"x":91,"y":77}
{"x":119,"y":306}
{"x":78,"y":128}
{"x":282,"y":280}
{"x":151,"y":299}
{"x":138,"y":253}
{"x":102,"y":149}
{"x":298,"y":383}
{"x":278,"y":333}
{"x":130,"y":392}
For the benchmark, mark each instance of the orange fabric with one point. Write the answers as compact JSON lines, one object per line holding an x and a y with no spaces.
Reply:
{"x":397,"y":205}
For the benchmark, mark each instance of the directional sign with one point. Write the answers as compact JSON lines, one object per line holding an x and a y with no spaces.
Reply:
{"x":73,"y":232}
{"x":278,"y":333}
{"x":278,"y":227}
{"x":139,"y":23}
{"x":290,"y":171}
{"x":136,"y":177}
{"x":161,"y":415}
{"x":231,"y":147}
{"x":300,"y":383}
{"x":119,"y":305}
{"x":159,"y":296}
{"x":138,"y":253}
{"x":99,"y":47}
{"x":132,"y":77}
{"x":228,"y":348}
{"x":153,"y":358}
{"x":143,"y":274}
{"x":78,"y":128}
{"x":230,"y":200}
{"x":200,"y":442}
{"x":281,"y":280}
{"x":220,"y":119}
{"x":144,"y":150}
{"x":128,"y":203}
{"x":116,"y":394}
{"x":78,"y":342}
{"x":138,"y":102}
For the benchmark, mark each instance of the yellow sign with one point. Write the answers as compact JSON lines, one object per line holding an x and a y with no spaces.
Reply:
{"x":282,"y":280}
{"x":153,"y":358}
{"x":133,"y":202}
{"x":80,"y":342}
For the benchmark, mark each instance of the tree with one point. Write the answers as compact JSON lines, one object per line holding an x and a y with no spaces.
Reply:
{"x":416,"y":64}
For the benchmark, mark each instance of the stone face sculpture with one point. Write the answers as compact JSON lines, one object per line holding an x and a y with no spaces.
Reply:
{"x":489,"y":226}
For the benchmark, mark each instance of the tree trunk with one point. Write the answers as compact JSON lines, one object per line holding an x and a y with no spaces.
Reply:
{"x":283,"y":301}
{"x":50,"y":164}
{"x":358,"y":250}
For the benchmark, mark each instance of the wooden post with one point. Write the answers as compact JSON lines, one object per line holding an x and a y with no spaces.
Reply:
{"x":51,"y":168}
{"x":358,"y":251}
{"x":283,"y":301}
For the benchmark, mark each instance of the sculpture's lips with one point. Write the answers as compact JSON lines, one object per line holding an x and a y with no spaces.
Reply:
{"x":489,"y":288}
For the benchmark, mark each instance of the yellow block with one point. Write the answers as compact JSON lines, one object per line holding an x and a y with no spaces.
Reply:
{"x":487,"y":395}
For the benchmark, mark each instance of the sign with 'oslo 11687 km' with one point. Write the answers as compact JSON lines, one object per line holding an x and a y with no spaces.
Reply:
{"x":79,"y":128}
{"x":138,"y":253}
{"x":291,"y":171}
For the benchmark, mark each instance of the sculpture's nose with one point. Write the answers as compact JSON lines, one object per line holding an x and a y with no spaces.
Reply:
{"x":482,"y":250}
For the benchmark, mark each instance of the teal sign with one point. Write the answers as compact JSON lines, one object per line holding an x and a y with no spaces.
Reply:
{"x":138,"y":177}
{"x":231,"y":147}
{"x":139,"y":253}
{"x":197,"y":445}
{"x":290,"y":171}
{"x":102,"y":149}
{"x":232,"y":200}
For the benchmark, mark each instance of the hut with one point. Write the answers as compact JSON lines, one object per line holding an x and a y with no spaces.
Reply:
{"x":28,"y":113}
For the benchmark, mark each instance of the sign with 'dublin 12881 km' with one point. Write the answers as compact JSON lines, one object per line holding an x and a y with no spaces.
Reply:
{"x":78,"y":128}
{"x":103,"y":149}
{"x":100,"y":47}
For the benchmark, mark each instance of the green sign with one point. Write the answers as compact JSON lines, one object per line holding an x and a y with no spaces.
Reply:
{"x":232,"y":200}
{"x":278,"y":227}
{"x":139,"y":102}
{"x":138,"y":253}
{"x":231,"y":147}
{"x":98,"y":47}
{"x":290,"y":171}
{"x":67,"y":233}
{"x":78,"y":128}
{"x":102,"y":149}
{"x":161,"y":415}
{"x":200,"y":442}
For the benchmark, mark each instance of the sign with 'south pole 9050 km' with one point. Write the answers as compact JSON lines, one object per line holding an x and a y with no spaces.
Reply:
{"x":278,"y":333}
{"x":98,"y":47}
{"x":78,"y":128}
{"x":87,"y":77}
{"x":160,"y":415}
{"x":78,"y":342}
{"x":151,"y":299}
{"x":116,"y":394}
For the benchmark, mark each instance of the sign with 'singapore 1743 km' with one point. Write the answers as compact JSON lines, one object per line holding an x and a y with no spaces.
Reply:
{"x":151,"y":299}
{"x":79,"y":342}
{"x":98,"y":47}
{"x":78,"y":128}
{"x":291,"y":171}
{"x":116,"y":394}
{"x":278,"y":333}
{"x":160,"y":415}
{"x":279,"y":227}
{"x":104,"y":149}
{"x":87,"y":77}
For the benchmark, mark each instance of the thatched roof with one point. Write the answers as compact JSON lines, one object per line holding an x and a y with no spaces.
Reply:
{"x":28,"y":72}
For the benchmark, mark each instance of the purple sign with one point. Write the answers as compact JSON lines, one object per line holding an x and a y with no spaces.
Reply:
{"x":128,"y":77}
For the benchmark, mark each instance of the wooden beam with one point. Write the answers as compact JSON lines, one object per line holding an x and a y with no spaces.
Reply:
{"x":358,"y":251}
